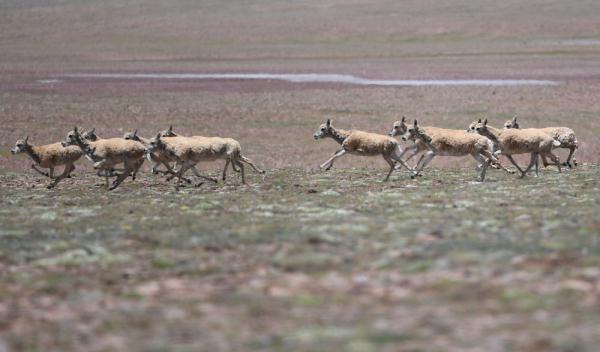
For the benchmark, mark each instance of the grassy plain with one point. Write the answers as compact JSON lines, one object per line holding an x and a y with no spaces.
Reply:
{"x":299,"y":259}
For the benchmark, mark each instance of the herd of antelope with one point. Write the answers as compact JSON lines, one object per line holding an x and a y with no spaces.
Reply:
{"x":178,"y":154}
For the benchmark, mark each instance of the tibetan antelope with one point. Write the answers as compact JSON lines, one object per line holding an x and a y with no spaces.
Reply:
{"x":92,"y":136}
{"x":106,"y":153}
{"x":186,"y":151}
{"x":446,"y":142}
{"x":362,"y":143}
{"x":157,"y":157}
{"x":399,"y":129}
{"x":49,"y":156}
{"x":564,"y":135}
{"x":225,"y":148}
{"x":521,"y":141}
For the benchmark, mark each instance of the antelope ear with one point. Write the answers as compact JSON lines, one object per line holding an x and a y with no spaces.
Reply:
{"x":75,"y":129}
{"x":485,"y":122}
{"x":415,"y":123}
{"x":514,"y":119}
{"x":328,"y":123}
{"x":479,"y":121}
{"x":403,"y":119}
{"x":26,"y":138}
{"x":170,"y":128}
{"x":93,"y":130}
{"x":158,"y":135}
{"x":135,"y":132}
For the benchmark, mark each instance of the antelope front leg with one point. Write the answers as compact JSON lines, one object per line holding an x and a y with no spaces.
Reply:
{"x":329,"y":163}
{"x":392,"y":166}
{"x":136,"y":168}
{"x":199,"y":175}
{"x":510,"y":158}
{"x":497,"y":163}
{"x":39,"y":171}
{"x":225,"y":168}
{"x":65,"y":173}
{"x":182,"y":170}
{"x":415,"y":151}
{"x":494,"y":161}
{"x":568,"y":162}
{"x":534,"y":157}
{"x":419,"y":162}
{"x":241,"y":166}
{"x":173,"y":173}
{"x":121,"y":177}
{"x":484,"y":169}
{"x":480,"y":160}
{"x":396,"y":156}
{"x":427,"y":157}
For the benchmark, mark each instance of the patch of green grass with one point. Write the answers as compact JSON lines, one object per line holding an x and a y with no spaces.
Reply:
{"x":302,"y":260}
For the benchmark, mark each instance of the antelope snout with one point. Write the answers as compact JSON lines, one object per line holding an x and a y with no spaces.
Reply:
{"x":316,"y":136}
{"x":13,"y":150}
{"x":148,"y":155}
{"x":64,"y":144}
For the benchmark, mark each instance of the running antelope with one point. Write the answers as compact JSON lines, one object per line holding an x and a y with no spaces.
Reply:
{"x":224,"y":148}
{"x":157,"y":157}
{"x":92,"y":136}
{"x":564,"y":135}
{"x":186,"y":151}
{"x":521,"y":141}
{"x":49,"y":156}
{"x":445,"y":142}
{"x":362,"y":143}
{"x":399,"y":129}
{"x":106,"y":153}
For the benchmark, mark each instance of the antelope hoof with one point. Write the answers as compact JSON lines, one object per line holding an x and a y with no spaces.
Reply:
{"x":199,"y":184}
{"x":214,"y":180}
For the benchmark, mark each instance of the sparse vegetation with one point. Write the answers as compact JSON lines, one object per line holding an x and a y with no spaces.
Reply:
{"x":298,"y":259}
{"x":302,"y":261}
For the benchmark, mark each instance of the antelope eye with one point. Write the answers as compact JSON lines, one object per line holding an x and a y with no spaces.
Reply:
{"x":323,"y":129}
